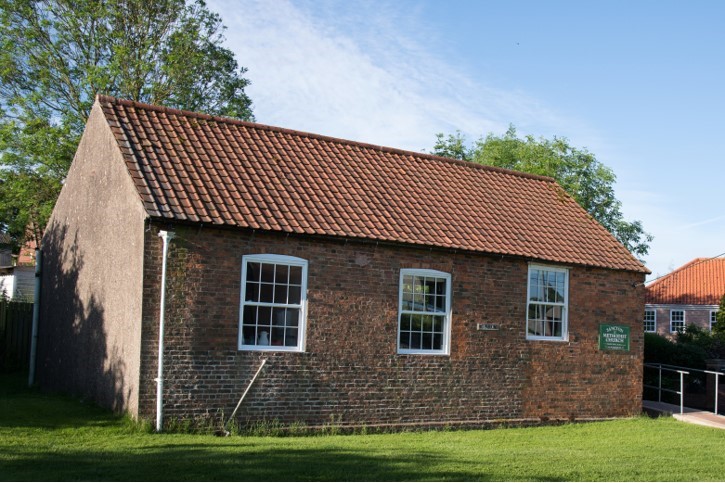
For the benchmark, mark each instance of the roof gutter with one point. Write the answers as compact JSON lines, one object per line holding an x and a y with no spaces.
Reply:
{"x":166,"y":236}
{"x":392,"y":243}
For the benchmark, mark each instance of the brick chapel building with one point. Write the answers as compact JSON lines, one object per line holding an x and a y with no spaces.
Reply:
{"x":381,"y":286}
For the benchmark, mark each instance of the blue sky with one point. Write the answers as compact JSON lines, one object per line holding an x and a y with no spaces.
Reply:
{"x":639,"y":84}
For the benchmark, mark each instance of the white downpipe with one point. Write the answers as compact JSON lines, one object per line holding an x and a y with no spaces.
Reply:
{"x":36,"y":316}
{"x":166,"y":236}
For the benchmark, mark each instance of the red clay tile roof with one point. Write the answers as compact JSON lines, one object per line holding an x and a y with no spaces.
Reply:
{"x":199,"y":168}
{"x":27,"y":252}
{"x":699,"y":282}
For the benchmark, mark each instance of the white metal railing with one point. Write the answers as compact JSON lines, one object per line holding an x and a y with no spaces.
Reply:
{"x":682,"y":371}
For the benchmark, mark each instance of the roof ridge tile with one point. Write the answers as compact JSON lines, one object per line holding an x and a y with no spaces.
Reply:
{"x":317,"y":137}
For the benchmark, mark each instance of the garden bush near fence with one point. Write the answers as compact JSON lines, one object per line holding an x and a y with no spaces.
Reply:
{"x":661,"y":350}
{"x":690,"y":349}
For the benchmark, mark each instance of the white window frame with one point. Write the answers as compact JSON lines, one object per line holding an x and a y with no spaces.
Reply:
{"x":684,"y":320}
{"x":654,"y":320}
{"x":445,"y":344}
{"x":713,"y":318}
{"x":302,"y":306}
{"x":565,"y":305}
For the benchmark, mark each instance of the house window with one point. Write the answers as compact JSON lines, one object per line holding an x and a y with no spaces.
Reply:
{"x":424,"y":320}
{"x":677,"y":320}
{"x":272,"y":315}
{"x":650,"y":321}
{"x":548,"y":290}
{"x":713,"y":319}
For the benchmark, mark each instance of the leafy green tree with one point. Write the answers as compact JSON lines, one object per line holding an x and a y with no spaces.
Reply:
{"x":56,"y":55}
{"x":578,"y":172}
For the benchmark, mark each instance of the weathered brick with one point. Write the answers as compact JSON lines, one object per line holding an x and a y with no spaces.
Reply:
{"x":350,"y":370}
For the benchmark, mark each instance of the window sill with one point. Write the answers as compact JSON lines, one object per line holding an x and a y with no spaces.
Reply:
{"x":268,"y":348}
{"x":548,"y":339}
{"x":407,"y":352}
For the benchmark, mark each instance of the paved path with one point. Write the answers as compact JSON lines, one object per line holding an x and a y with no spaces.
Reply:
{"x":689,"y":415}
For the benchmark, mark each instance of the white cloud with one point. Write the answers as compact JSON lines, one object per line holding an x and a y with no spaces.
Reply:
{"x":708,"y":221}
{"x":367,"y":73}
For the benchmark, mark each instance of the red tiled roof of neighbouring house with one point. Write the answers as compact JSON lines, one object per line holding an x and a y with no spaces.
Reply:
{"x":198,"y":168}
{"x":699,"y":282}
{"x":27,"y":252}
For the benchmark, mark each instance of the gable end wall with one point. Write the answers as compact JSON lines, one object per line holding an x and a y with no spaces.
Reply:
{"x":89,"y":332}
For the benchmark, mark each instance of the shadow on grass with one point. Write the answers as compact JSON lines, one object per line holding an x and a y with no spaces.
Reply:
{"x":45,"y":437}
{"x":22,"y":407}
{"x":234,"y":462}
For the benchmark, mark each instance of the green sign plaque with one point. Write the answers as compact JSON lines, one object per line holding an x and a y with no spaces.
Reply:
{"x":613,"y":337}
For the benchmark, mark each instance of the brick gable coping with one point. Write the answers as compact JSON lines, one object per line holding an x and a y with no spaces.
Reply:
{"x":698,"y":282}
{"x":198,"y":168}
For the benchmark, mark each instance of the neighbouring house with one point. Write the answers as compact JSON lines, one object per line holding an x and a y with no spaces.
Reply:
{"x":381,"y":286}
{"x":689,"y":295}
{"x":17,"y":273}
{"x":17,"y":282}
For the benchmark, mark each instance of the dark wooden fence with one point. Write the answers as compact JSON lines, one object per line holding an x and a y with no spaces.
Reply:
{"x":16,"y":320}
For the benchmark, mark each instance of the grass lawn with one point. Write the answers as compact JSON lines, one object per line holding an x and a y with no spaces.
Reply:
{"x":54,"y":438}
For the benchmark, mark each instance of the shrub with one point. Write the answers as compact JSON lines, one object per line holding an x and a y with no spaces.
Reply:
{"x":659,"y":349}
{"x":713,"y":343}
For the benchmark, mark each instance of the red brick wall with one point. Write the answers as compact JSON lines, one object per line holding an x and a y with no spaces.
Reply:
{"x":350,"y":371}
{"x":575,"y":379}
